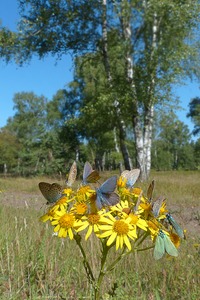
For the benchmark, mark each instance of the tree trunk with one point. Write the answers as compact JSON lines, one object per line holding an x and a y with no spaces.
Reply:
{"x":142,"y":130}
{"x":121,"y":123}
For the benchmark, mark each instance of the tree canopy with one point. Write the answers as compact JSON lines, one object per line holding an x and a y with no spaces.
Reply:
{"x":127,"y":56}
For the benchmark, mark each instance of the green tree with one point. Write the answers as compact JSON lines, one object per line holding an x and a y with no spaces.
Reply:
{"x":172,"y":147}
{"x":151,"y":56}
{"x":9,"y":149}
{"x":29,"y":126}
{"x":194,"y":114}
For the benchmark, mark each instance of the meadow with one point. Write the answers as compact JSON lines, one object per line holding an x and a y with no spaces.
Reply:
{"x":35,"y":265}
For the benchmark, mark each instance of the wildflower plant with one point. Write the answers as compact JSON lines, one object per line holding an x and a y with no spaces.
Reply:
{"x":119,"y":215}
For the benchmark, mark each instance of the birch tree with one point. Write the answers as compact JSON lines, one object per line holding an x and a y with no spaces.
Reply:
{"x":155,"y":45}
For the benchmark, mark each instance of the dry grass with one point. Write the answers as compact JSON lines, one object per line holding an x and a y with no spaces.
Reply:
{"x":35,"y":265}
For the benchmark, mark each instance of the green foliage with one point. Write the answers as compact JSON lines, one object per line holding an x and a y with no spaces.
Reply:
{"x":171,"y":147}
{"x":9,"y":149}
{"x":194,"y":114}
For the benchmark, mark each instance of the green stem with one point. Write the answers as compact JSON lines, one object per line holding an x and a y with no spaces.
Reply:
{"x":112,"y":266}
{"x":102,"y":273}
{"x":143,"y":237}
{"x":86,"y":264}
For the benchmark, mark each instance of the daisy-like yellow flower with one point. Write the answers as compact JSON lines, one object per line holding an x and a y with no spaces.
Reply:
{"x":79,"y":208}
{"x":147,"y":209}
{"x":175,"y":239}
{"x":68,"y":192}
{"x":61,"y":203}
{"x":84,"y":193}
{"x":119,"y":230}
{"x":153,"y":227}
{"x":136,"y":220}
{"x":121,"y":182}
{"x":64,"y":223}
{"x":122,"y":207}
{"x":49,"y":215}
{"x":163,"y":211}
{"x":92,"y":222}
{"x":125,"y":194}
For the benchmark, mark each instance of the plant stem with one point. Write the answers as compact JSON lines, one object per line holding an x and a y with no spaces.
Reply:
{"x":86,"y":264}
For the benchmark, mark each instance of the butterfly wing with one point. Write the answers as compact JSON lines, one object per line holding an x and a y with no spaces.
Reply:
{"x":156,"y":206}
{"x":109,"y":185}
{"x":169,"y":246}
{"x":72,"y":174}
{"x":105,"y":193}
{"x":90,"y":175}
{"x":51,"y":192}
{"x":131,"y":176}
{"x":159,"y":249}
{"x":125,"y":173}
{"x":150,"y":191}
{"x":175,"y":225}
{"x":104,"y":200}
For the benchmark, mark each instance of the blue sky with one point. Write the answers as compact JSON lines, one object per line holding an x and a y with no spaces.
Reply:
{"x":46,"y":77}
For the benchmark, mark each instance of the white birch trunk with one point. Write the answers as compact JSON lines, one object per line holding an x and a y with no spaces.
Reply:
{"x":143,"y":132}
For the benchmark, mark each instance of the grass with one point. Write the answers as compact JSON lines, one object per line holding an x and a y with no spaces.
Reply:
{"x":36,"y":265}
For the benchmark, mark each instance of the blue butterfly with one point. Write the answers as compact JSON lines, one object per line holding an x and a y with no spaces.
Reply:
{"x":51,"y":192}
{"x":89,"y":175}
{"x":175,"y":225}
{"x":131,"y":177}
{"x":105,"y":193}
{"x":156,"y":206}
{"x":164,"y":245}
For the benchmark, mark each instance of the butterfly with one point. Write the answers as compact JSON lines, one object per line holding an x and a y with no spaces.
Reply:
{"x":150,"y":191}
{"x":90,"y":175}
{"x":72,"y":175}
{"x":164,"y":245}
{"x":156,"y":206}
{"x":131,"y":176}
{"x":175,"y":225}
{"x":51,"y":192}
{"x":105,"y":193}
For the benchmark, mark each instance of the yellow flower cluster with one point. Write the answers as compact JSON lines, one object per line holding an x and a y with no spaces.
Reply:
{"x":126,"y":224}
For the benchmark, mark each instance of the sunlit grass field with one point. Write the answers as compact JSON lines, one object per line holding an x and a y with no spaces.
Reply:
{"x":36,"y":265}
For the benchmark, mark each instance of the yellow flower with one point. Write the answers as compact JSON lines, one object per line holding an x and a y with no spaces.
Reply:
{"x":163,"y":211}
{"x":122,"y":207}
{"x":175,"y":239}
{"x":136,"y":191}
{"x":61,"y":203}
{"x":136,"y":220}
{"x":92,"y":222}
{"x":121,"y":182}
{"x":120,"y":230}
{"x":84,"y":193}
{"x":68,"y":192}
{"x":64,"y":223}
{"x":79,"y":208}
{"x":49,"y":215}
{"x":154,"y":227}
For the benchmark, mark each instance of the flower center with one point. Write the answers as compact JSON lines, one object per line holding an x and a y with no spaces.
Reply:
{"x":127,"y":210}
{"x":81,"y":208}
{"x":136,"y":191}
{"x":67,"y":221}
{"x":93,"y":218}
{"x":120,"y":227}
{"x":62,"y":200}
